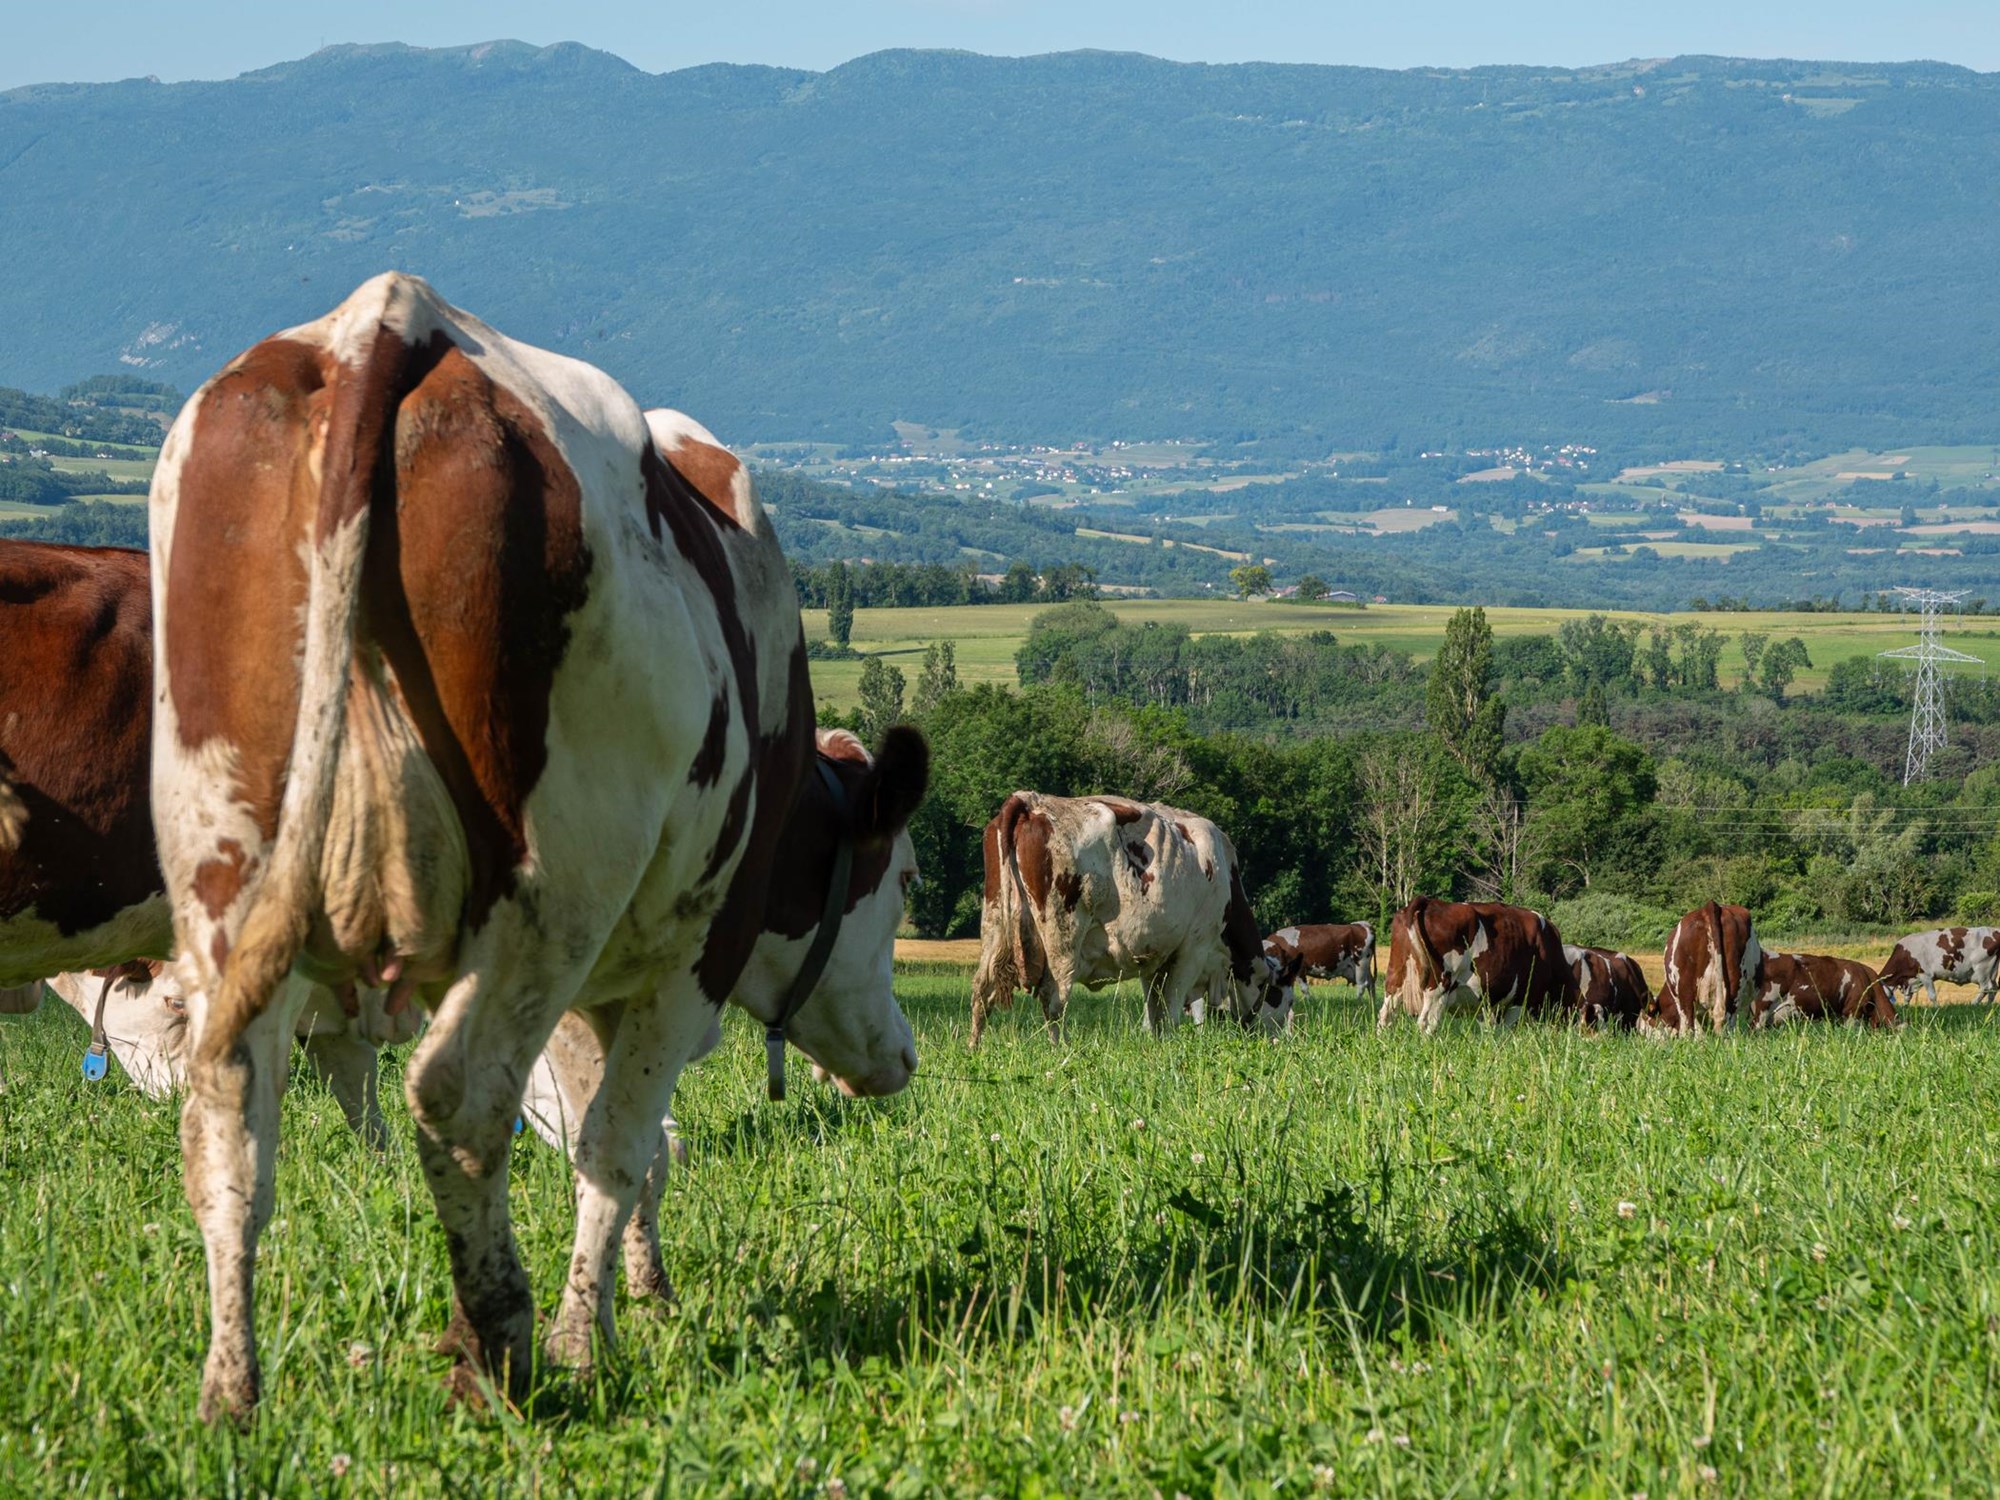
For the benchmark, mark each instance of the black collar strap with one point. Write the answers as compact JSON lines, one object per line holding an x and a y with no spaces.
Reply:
{"x":830,"y":918}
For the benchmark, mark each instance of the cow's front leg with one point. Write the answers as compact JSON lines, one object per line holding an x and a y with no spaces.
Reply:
{"x":1432,"y":1013}
{"x":229,"y":1152}
{"x":346,"y":1064}
{"x":619,"y":1146}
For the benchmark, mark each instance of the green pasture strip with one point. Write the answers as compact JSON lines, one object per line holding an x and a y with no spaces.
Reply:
{"x":986,"y":636}
{"x":1518,"y":1261}
{"x":116,"y":468}
{"x":134,"y":450}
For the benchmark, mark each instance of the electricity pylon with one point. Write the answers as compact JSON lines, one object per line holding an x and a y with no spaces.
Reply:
{"x":1927,"y":717}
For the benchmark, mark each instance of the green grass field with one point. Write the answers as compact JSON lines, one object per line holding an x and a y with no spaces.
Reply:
{"x":986,"y":636}
{"x":1516,"y":1261}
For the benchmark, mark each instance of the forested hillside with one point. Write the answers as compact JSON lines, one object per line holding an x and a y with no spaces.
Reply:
{"x":1686,"y":253}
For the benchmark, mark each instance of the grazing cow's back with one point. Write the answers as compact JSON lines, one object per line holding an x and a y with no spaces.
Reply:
{"x":1611,"y":989}
{"x":1958,"y":955}
{"x":1446,"y":956}
{"x":471,"y":679}
{"x":1090,"y":890}
{"x":1714,"y":965}
{"x":79,"y":884}
{"x":1819,"y":987}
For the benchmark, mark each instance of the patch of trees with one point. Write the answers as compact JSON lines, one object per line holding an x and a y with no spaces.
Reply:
{"x":83,"y":523}
{"x":35,"y":481}
{"x":86,"y":422}
{"x":1263,"y":680}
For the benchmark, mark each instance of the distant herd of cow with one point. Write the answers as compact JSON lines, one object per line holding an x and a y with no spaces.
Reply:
{"x":1089,"y":890}
{"x":460,"y":700}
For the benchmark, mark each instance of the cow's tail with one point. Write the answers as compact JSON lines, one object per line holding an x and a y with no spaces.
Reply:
{"x":1429,"y":969}
{"x":1026,"y":937}
{"x":13,"y":815}
{"x":374,"y":332}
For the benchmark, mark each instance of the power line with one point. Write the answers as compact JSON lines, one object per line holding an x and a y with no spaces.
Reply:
{"x":1927,"y":716}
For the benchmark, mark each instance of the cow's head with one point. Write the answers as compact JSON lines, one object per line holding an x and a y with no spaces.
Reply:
{"x":1900,"y":973}
{"x":850,"y":1025}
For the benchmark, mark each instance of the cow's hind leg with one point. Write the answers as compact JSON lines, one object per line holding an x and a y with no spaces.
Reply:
{"x":1054,"y":995}
{"x":346,"y":1064}
{"x":619,"y":1154}
{"x":229,"y":1151}
{"x":464,"y":1083}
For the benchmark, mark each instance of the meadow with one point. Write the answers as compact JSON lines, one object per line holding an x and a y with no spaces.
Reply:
{"x":1489,"y":1262}
{"x":986,"y":636}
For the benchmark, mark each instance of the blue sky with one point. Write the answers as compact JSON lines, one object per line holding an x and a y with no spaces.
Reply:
{"x":177,"y":39}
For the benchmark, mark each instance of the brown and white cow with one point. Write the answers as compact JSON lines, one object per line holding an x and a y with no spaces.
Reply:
{"x":1714,"y":968}
{"x":1957,"y":955}
{"x":1091,"y":890}
{"x":80,"y":886}
{"x":1326,"y":950}
{"x":1451,"y":956}
{"x":1818,"y":987}
{"x":1611,"y":989}
{"x":466,"y":676}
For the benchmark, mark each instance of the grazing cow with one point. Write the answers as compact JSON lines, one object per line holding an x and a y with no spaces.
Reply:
{"x":1611,"y":989}
{"x":1714,"y":969}
{"x":1328,"y":950}
{"x":471,"y":677}
{"x":1957,"y":955}
{"x":1091,"y":890}
{"x":80,"y":886}
{"x":1448,"y":956}
{"x":1816,"y":987}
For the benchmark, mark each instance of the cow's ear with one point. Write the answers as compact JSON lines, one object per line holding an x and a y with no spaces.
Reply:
{"x":895,"y":784}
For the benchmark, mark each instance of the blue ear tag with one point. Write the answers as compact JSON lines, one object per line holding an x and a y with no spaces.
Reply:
{"x":94,"y":1064}
{"x":519,"y":1124}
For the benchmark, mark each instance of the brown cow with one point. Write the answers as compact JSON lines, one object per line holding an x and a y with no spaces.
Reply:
{"x":1447,"y":956}
{"x":1611,"y":988}
{"x":1714,"y":968}
{"x":1326,"y":950}
{"x":1817,"y":987}
{"x":80,"y":885}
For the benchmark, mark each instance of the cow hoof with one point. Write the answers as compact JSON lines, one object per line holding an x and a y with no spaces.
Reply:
{"x":568,"y":1347}
{"x":229,"y":1396}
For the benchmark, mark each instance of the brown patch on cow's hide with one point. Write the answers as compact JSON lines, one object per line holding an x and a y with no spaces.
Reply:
{"x":237,"y":576}
{"x":712,"y":473}
{"x":1951,"y":946}
{"x":781,"y":765}
{"x":218,"y":950}
{"x":1208,"y":868}
{"x":1182,"y":829}
{"x":1239,"y":928}
{"x":1122,"y":812}
{"x":707,"y":767}
{"x":470,"y":582}
{"x":735,"y":817}
{"x":799,"y":886}
{"x":1069,"y":886}
{"x":76,"y":672}
{"x":1031,"y":855}
{"x":219,"y":881}
{"x":675,"y":506}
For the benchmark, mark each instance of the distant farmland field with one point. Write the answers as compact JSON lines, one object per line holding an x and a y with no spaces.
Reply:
{"x":987,"y":636}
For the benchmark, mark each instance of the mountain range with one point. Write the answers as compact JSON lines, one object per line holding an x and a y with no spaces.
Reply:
{"x":1691,"y":254}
